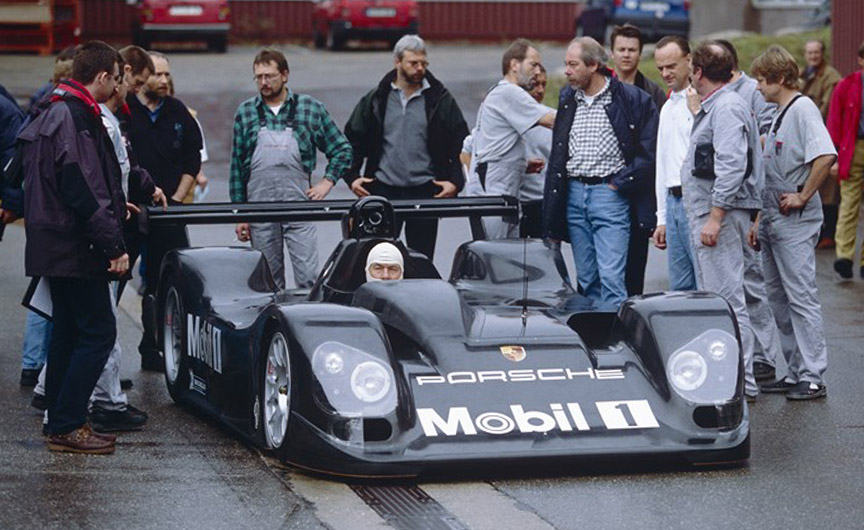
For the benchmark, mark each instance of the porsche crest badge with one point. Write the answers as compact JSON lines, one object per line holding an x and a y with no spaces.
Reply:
{"x":513,"y":353}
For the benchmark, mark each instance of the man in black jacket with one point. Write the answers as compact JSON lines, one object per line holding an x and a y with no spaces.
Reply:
{"x":75,"y":211}
{"x":409,"y":131}
{"x":603,"y":146}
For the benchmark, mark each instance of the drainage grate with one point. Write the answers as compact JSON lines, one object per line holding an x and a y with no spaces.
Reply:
{"x":408,"y":508}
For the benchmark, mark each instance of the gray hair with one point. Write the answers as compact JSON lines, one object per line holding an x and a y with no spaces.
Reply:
{"x":592,"y":52}
{"x":409,"y":43}
{"x":158,"y":55}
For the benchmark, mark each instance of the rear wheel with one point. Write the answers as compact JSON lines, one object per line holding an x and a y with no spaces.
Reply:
{"x":218,"y":44}
{"x":335,"y":39}
{"x":173,"y":338}
{"x":320,"y":39}
{"x":276,"y":391}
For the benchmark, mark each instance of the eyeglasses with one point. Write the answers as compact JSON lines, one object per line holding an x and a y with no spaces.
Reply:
{"x":268,"y":77}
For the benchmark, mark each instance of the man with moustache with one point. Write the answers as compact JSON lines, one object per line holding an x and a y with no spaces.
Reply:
{"x":408,"y":131}
{"x":723,"y":179}
{"x":276,"y":138}
{"x":538,"y":144}
{"x":672,"y":57}
{"x":505,"y":116}
{"x":603,"y":146}
{"x":167,"y":143}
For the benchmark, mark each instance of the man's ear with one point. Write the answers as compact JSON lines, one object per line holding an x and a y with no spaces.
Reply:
{"x":514,"y":64}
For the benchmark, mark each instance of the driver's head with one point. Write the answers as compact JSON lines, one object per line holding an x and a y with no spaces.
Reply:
{"x":384,"y":262}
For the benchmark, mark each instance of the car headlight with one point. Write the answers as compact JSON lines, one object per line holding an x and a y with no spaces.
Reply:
{"x":687,"y":370}
{"x":705,"y":370}
{"x":370,"y":382}
{"x":352,"y":382}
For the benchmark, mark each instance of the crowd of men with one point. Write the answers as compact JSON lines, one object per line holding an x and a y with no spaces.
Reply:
{"x":721,"y":170}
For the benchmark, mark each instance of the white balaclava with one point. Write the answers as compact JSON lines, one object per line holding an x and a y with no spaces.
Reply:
{"x":385,"y":254}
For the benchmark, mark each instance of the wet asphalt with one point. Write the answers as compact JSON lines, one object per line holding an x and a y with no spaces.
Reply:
{"x":807,"y":461}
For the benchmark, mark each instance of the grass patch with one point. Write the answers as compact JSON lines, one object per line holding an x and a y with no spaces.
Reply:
{"x":748,"y":47}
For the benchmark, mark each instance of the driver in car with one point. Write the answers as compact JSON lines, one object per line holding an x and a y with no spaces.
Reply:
{"x":384,"y":262}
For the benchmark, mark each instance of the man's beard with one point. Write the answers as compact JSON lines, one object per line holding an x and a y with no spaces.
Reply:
{"x":416,"y":79}
{"x":526,"y":81}
{"x":152,"y":94}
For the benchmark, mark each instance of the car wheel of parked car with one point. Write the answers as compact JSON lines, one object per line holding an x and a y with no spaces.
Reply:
{"x":320,"y":39}
{"x":173,"y":341}
{"x":218,"y":44}
{"x":335,"y":39}
{"x":277,"y":387}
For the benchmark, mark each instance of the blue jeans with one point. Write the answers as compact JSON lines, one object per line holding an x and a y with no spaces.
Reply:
{"x":37,"y":341}
{"x":681,"y":261}
{"x":598,"y":220}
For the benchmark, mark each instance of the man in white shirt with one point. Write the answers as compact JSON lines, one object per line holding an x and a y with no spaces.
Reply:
{"x":506,"y":115}
{"x":672,"y":57}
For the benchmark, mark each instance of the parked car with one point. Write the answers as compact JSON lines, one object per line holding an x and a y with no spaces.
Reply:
{"x":182,"y":20}
{"x":654,"y":18}
{"x":337,"y":21}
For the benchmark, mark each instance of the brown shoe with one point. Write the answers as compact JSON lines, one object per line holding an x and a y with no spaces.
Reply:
{"x":825,"y":243}
{"x":103,"y":435}
{"x":81,"y":440}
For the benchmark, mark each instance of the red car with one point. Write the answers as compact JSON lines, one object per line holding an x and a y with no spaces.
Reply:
{"x":337,"y":21}
{"x":183,"y":20}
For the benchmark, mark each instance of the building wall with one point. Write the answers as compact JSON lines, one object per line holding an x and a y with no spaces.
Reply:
{"x":263,"y":20}
{"x":710,"y":16}
{"x":847,"y":34}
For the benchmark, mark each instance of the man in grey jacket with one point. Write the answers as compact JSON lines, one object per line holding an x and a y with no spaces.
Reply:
{"x":723,"y":179}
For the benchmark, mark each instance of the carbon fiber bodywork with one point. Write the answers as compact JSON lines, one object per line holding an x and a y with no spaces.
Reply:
{"x":502,"y":362}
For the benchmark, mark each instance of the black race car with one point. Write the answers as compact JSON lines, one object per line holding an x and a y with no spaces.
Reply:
{"x":502,"y":362}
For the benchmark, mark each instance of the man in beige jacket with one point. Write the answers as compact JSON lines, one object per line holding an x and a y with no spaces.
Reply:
{"x":818,"y":80}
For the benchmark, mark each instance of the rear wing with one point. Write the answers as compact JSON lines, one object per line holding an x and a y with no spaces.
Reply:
{"x":475,"y":208}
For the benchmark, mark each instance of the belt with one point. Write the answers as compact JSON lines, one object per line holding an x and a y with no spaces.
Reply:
{"x":591,"y":180}
{"x":675,"y":191}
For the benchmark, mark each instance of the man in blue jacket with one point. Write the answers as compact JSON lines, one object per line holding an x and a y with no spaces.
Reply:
{"x":603,"y":145}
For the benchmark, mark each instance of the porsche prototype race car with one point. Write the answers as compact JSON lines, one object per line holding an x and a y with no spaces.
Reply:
{"x":502,"y":362}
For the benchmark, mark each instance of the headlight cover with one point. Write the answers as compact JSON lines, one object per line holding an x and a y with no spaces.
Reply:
{"x":353,"y":382}
{"x":705,"y":370}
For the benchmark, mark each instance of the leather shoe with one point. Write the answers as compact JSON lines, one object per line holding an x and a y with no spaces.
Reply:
{"x":825,"y":243}
{"x":780,"y":386}
{"x":30,"y":376}
{"x":125,"y":384}
{"x":763,"y":371}
{"x":806,"y":390}
{"x":81,"y":440}
{"x":104,"y":436}
{"x":843,"y":267}
{"x":131,"y":419}
{"x":39,"y":401}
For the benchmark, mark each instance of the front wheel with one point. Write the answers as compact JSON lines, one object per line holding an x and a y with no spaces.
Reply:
{"x":276,"y":391}
{"x":173,"y":339}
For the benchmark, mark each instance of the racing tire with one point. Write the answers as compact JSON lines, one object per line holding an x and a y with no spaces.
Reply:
{"x":276,"y":394}
{"x":320,"y":40}
{"x":173,"y":343}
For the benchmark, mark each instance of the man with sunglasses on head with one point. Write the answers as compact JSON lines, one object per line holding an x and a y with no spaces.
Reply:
{"x":276,"y":138}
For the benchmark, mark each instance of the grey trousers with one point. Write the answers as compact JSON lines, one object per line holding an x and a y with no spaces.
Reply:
{"x":788,"y":243}
{"x":721,"y":270}
{"x":767,"y":337}
{"x":302,"y":242}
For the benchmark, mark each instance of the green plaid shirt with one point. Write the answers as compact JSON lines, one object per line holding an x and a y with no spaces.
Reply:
{"x":314,"y":129}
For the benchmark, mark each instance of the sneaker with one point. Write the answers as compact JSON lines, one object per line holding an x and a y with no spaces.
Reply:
{"x":30,"y":376}
{"x":38,"y":401}
{"x":843,"y":267}
{"x":825,"y":243}
{"x":125,"y":384}
{"x":82,"y":440}
{"x":763,"y":371}
{"x":131,"y":419}
{"x":780,"y":386}
{"x":806,"y":390}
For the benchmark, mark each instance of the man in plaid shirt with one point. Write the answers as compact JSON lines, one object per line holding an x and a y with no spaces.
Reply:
{"x":276,"y":135}
{"x":603,"y":146}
